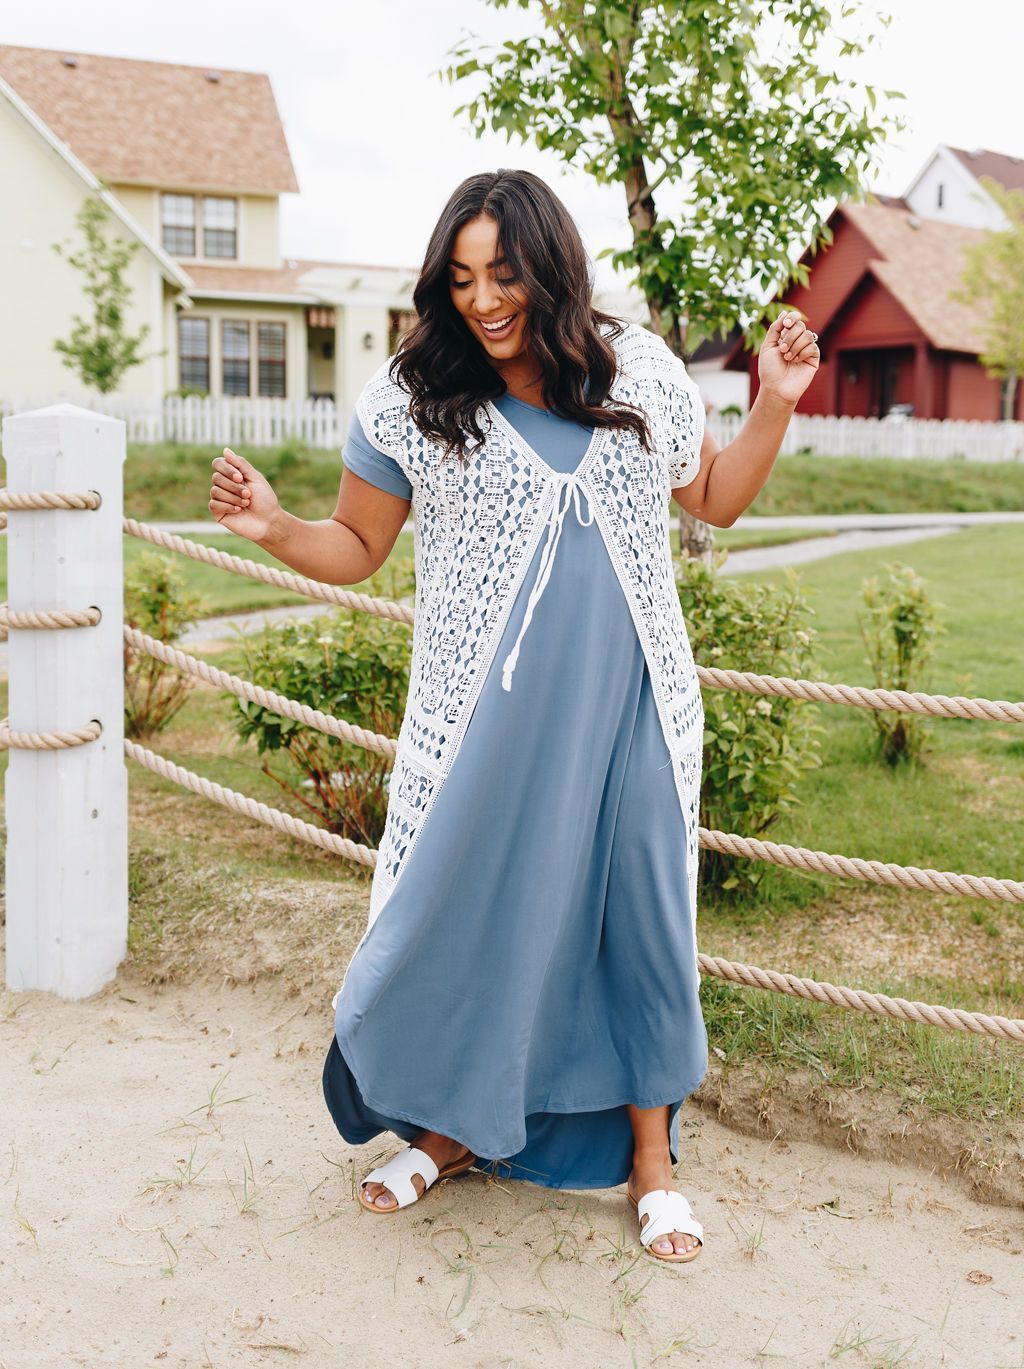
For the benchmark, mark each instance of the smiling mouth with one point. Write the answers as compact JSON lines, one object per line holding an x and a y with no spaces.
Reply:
{"x":500,"y":326}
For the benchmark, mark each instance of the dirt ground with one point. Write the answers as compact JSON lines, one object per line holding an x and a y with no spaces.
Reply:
{"x":173,"y":1192}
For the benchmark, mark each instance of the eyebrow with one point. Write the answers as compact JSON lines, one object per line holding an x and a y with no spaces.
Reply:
{"x":463,"y":267}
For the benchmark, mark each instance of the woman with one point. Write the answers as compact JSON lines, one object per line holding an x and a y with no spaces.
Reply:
{"x":528,"y":1003}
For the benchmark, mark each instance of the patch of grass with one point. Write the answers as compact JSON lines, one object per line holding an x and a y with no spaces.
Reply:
{"x":959,"y":811}
{"x":171,"y":482}
{"x":225,"y":592}
{"x":850,"y":484}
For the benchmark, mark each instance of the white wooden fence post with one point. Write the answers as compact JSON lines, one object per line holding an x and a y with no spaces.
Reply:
{"x":67,"y":809}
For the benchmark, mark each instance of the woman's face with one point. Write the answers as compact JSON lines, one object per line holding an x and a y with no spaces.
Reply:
{"x":483,"y":292}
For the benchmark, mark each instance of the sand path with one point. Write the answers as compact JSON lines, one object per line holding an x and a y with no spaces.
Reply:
{"x":173,"y":1192}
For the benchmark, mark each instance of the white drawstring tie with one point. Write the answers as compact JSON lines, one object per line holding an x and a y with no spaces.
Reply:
{"x":571,"y":484}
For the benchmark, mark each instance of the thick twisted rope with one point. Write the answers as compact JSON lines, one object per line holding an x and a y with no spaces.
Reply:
{"x":254,"y":693}
{"x":853,"y":867}
{"x":250,"y":807}
{"x":268,"y":575}
{"x":47,"y":741}
{"x":858,"y":696}
{"x":49,"y":499}
{"x":859,"y":1000}
{"x":53,"y":618}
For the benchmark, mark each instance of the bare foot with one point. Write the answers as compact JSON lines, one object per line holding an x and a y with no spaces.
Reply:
{"x":654,"y":1170}
{"x":441,"y":1149}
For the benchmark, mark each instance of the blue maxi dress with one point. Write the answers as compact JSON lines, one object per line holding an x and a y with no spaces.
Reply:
{"x":534,"y":969}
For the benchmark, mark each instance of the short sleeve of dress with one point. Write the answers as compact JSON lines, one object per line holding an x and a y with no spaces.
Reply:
{"x":375,"y":466}
{"x":680,"y":411}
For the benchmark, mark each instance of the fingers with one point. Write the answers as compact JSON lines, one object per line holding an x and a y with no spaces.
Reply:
{"x":230,"y":492}
{"x":221,"y":511}
{"x":230,"y":486}
{"x":233,"y":460}
{"x":804,"y":343}
{"x":793,"y":337}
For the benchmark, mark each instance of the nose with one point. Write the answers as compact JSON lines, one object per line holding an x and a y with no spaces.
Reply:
{"x":489,"y":300}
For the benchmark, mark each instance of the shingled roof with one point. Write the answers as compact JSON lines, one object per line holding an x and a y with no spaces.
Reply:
{"x":157,"y":123}
{"x":919,"y":260}
{"x":981,"y":161}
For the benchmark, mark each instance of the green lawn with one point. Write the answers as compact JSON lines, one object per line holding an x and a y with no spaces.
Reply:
{"x":847,"y":484}
{"x":961,"y":810}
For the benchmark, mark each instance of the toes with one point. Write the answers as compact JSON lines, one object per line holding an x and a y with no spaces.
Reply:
{"x":664,"y":1245}
{"x":379,"y":1196}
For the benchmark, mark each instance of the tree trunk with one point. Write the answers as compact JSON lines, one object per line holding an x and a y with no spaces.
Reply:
{"x":1009,"y":394}
{"x":695,"y":537}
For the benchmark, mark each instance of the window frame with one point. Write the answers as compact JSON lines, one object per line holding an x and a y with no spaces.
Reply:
{"x":225,"y":324}
{"x":233,"y":230}
{"x":273,"y":366}
{"x":192,"y":357}
{"x":165,"y":226}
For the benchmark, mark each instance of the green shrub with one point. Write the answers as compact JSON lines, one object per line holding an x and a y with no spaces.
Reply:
{"x":756,"y":747}
{"x":899,"y":629}
{"x":353,"y":666}
{"x":156,"y":602}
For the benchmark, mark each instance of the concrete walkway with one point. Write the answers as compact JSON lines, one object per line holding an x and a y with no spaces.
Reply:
{"x":745,"y":560}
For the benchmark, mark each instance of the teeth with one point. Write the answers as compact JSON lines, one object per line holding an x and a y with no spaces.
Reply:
{"x":496,"y":327}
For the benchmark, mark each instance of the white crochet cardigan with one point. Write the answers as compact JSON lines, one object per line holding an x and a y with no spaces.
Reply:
{"x":476,"y":530}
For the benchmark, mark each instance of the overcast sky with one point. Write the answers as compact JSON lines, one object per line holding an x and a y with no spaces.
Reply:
{"x":378,"y":150}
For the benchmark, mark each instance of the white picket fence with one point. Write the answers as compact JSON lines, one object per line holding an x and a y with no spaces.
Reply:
{"x":223,"y":421}
{"x":927,"y":438}
{"x":322,"y":423}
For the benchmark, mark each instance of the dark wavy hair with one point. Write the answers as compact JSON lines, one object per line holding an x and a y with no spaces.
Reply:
{"x":444,"y":367}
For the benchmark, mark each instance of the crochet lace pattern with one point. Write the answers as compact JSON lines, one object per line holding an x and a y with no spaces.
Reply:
{"x":477,"y":528}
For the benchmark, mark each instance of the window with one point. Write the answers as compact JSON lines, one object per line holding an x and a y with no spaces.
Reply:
{"x":178,"y":224}
{"x":194,"y":353}
{"x":235,"y":350}
{"x":271,"y":357}
{"x":939,"y":196}
{"x":220,"y":227}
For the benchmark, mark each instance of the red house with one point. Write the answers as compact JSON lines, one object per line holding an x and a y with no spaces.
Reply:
{"x":878,"y":297}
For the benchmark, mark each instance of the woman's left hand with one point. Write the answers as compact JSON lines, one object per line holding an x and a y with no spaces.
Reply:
{"x":788,"y":357}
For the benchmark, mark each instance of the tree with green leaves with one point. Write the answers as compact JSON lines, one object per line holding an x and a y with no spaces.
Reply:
{"x":727,"y":102}
{"x":994,"y":272}
{"x":100,"y":348}
{"x":650,"y":94}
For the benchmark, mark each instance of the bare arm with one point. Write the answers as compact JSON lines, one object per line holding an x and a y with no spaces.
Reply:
{"x":341,"y":550}
{"x":730,"y":477}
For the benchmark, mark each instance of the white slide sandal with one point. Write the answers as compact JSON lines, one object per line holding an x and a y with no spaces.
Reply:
{"x":396,"y":1176}
{"x":667,"y":1210}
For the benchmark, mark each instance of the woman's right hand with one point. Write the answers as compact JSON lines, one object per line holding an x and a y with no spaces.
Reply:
{"x":240,"y":497}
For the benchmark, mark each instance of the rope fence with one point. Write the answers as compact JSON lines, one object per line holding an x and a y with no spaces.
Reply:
{"x":792,"y":857}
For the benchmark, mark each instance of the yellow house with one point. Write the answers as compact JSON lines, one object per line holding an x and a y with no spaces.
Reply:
{"x":195,"y":161}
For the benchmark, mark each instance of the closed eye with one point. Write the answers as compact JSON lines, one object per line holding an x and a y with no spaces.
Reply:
{"x":506,"y":280}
